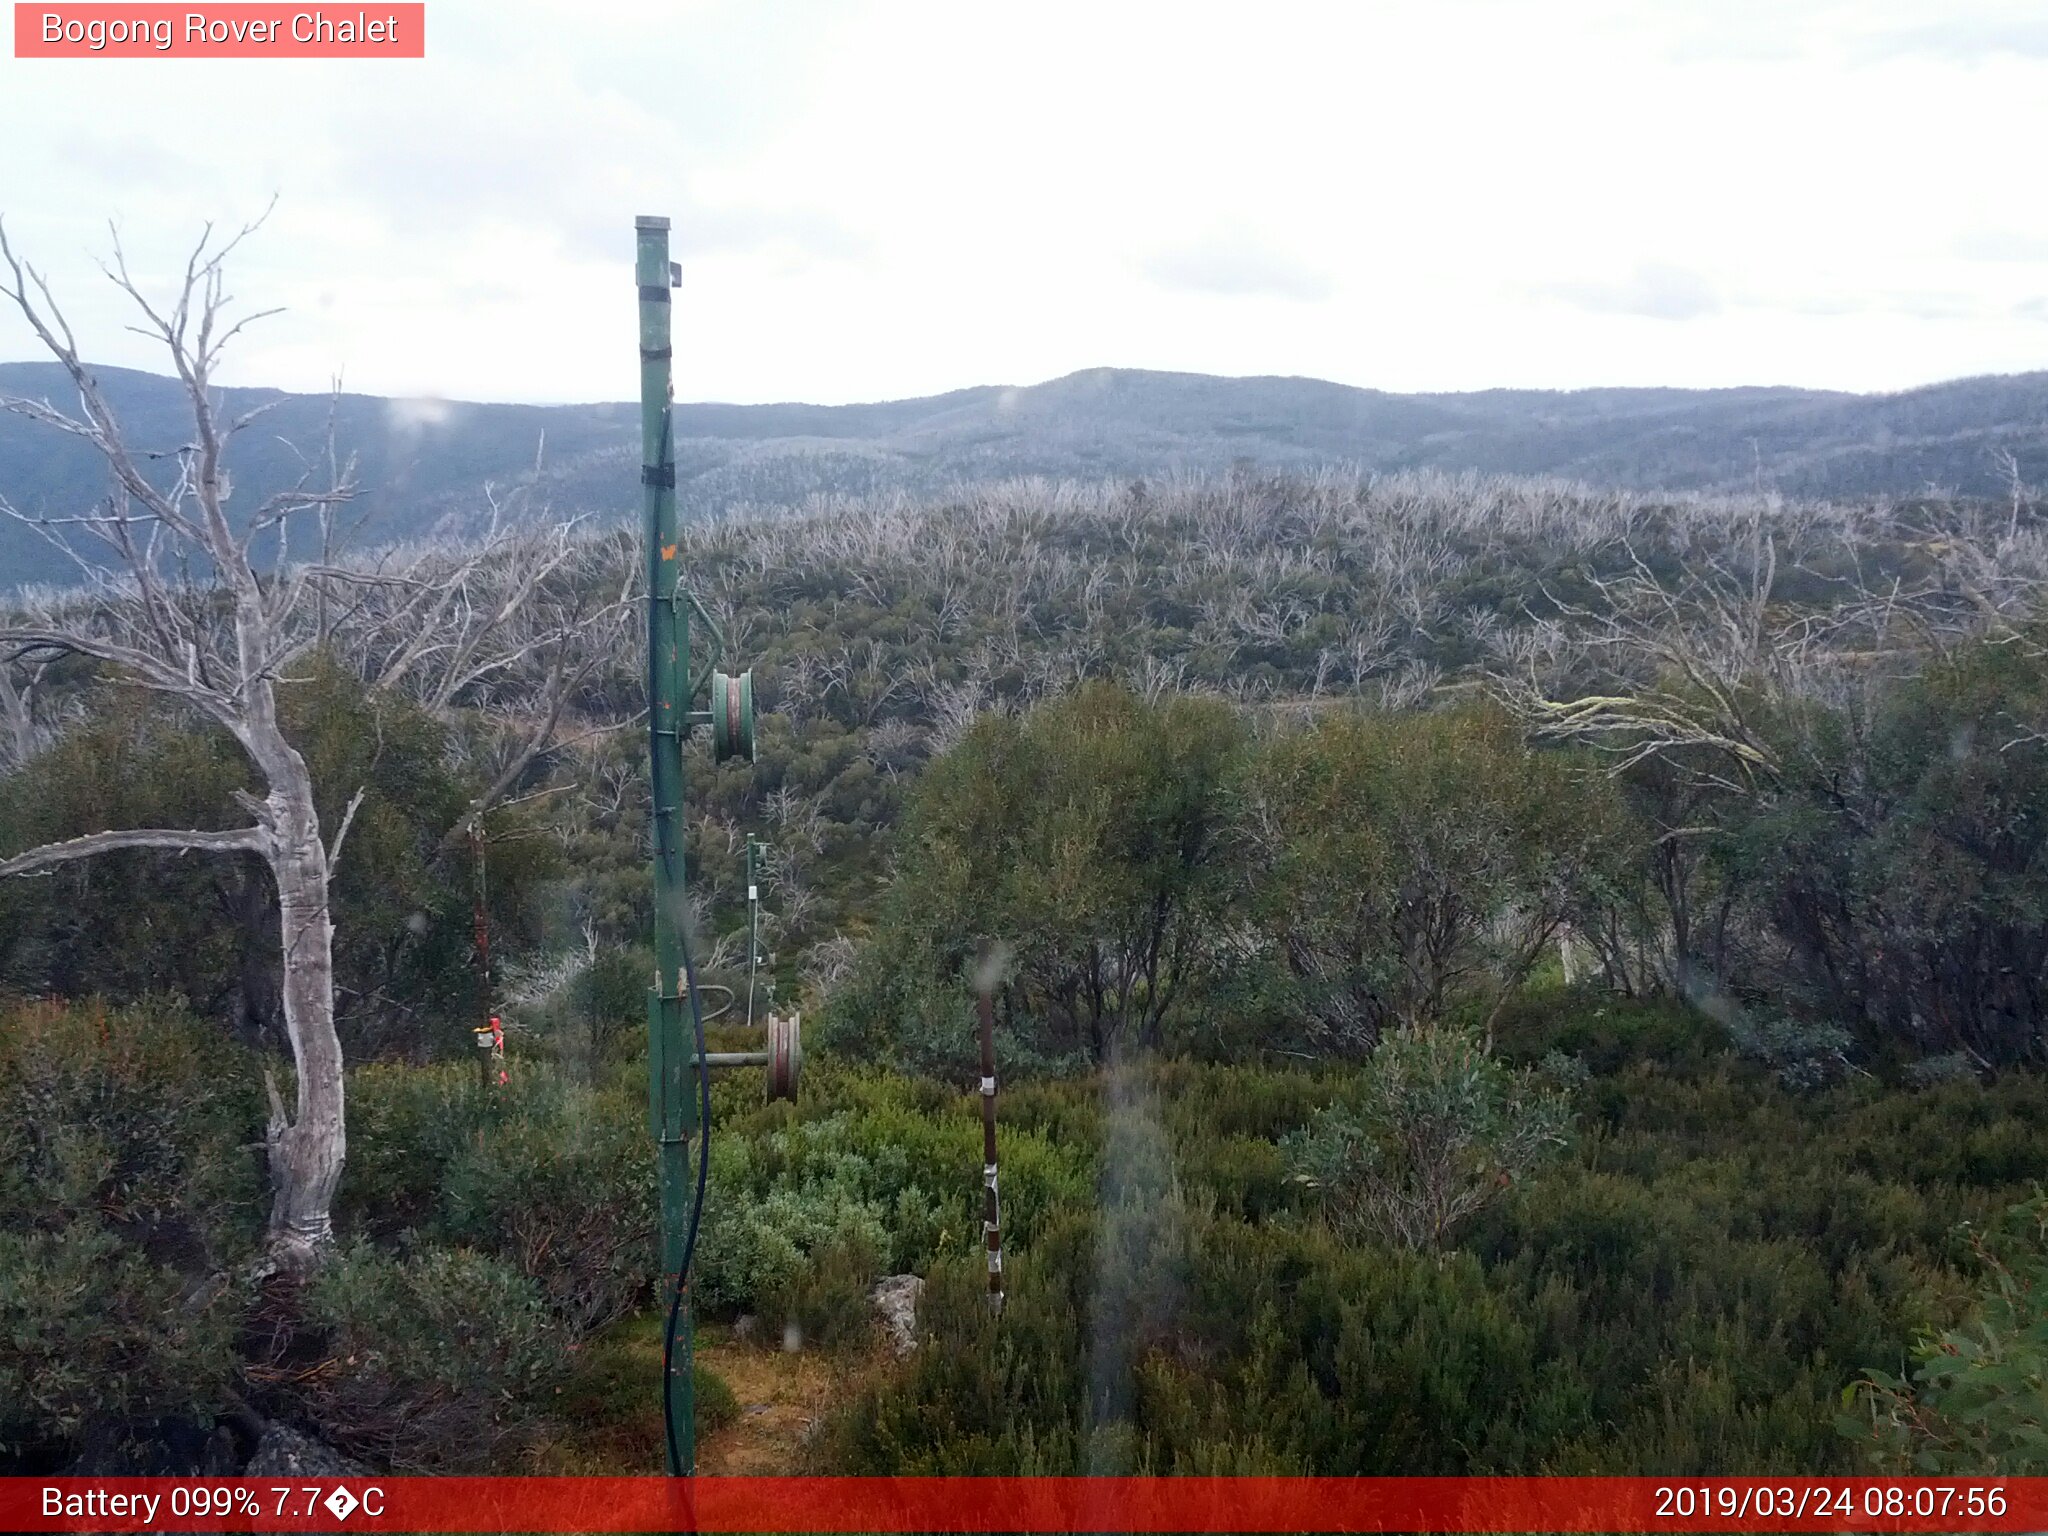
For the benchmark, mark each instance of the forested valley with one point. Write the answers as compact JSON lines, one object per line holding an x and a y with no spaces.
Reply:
{"x":1497,"y":977}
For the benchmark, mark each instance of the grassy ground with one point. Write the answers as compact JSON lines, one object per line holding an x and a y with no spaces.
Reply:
{"x":759,"y":1404}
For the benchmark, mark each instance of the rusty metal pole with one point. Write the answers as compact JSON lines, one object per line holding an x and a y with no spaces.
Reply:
{"x":992,"y":1214}
{"x":490,"y":1034}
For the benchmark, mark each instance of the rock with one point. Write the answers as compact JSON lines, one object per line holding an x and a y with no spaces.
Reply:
{"x":284,"y":1452}
{"x":895,"y":1298}
{"x":746,"y":1328}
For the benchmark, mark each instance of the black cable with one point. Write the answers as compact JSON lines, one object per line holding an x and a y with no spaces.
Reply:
{"x":675,"y":1301}
{"x":703,"y":1068}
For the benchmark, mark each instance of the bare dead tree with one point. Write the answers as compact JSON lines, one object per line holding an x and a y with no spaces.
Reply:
{"x":865,"y":675}
{"x":216,"y":644}
{"x":1679,"y":664}
{"x":210,"y":610}
{"x":22,"y":732}
{"x":515,"y":624}
{"x":2016,"y":491}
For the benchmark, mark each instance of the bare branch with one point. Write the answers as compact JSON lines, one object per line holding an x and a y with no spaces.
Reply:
{"x":240,"y":840}
{"x":348,"y":818}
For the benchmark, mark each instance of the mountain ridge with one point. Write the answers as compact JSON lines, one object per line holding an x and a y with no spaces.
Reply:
{"x":423,"y":464}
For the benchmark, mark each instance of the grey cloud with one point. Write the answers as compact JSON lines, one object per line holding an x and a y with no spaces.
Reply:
{"x":1237,"y":267}
{"x":1770,"y":31}
{"x":1960,"y":39}
{"x":127,"y":161}
{"x":1734,"y":31}
{"x":811,"y":230}
{"x":1654,"y":289}
{"x":2001,"y":245}
{"x":571,"y":169}
{"x":1913,"y":304}
{"x":1824,"y":305}
{"x":1932,"y":306}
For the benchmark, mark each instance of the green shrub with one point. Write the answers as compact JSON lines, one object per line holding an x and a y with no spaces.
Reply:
{"x":1263,"y":1348}
{"x":138,"y":1117}
{"x":1441,"y":1131}
{"x":91,"y":1331}
{"x":441,"y":1358}
{"x":885,"y":1178}
{"x":1976,"y":1402}
{"x":132,"y":925}
{"x":763,"y":1235}
{"x":555,"y":1177}
{"x":1605,"y":1032}
{"x":1803,"y":1056}
{"x":1409,"y":866}
{"x":827,"y":1297}
{"x":1900,"y":860}
{"x":1090,"y":835}
{"x":405,"y":1125}
{"x":987,"y":1394}
{"x":128,"y":1186}
{"x":611,"y":995}
{"x":564,"y":1190}
{"x":716,"y":1406}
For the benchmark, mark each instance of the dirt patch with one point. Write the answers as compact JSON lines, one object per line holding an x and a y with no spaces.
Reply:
{"x":782,"y":1395}
{"x":610,"y":1413}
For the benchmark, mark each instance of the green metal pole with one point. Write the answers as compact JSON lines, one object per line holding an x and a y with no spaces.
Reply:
{"x":671,"y":1054}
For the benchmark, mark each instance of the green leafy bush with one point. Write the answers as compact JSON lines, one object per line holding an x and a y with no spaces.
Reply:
{"x":1803,"y":1056}
{"x":1441,"y":1131}
{"x":1976,"y":1400}
{"x":439,"y":1360}
{"x":1899,"y":864}
{"x":551,"y":1175}
{"x":827,"y":1297}
{"x":885,"y":1177}
{"x":137,"y":924}
{"x":93,"y":1332}
{"x":1401,"y":865}
{"x":137,"y":1117}
{"x":563,"y":1189}
{"x":1090,"y":836}
{"x":129,"y":1190}
{"x":406,"y":1123}
{"x":788,"y":1200}
{"x":715,"y":1405}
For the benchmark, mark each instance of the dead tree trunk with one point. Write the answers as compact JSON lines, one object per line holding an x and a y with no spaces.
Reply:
{"x":307,"y":1150}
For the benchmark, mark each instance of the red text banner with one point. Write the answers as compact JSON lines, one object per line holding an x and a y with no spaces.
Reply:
{"x":220,"y":31}
{"x":1024,"y":1504}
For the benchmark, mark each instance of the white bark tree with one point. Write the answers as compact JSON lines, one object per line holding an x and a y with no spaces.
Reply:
{"x":210,"y":611}
{"x":217,"y":644}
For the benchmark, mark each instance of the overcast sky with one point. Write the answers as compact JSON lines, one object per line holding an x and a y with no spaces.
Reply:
{"x":891,"y":199}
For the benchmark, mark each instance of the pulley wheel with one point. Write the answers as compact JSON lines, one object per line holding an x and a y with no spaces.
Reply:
{"x":732,"y":715}
{"x":785,"y":1055}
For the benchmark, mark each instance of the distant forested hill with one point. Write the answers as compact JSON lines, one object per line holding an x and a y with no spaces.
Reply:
{"x":423,"y":464}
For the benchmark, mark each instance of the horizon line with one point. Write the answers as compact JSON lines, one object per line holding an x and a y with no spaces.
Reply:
{"x":1077,"y":373}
